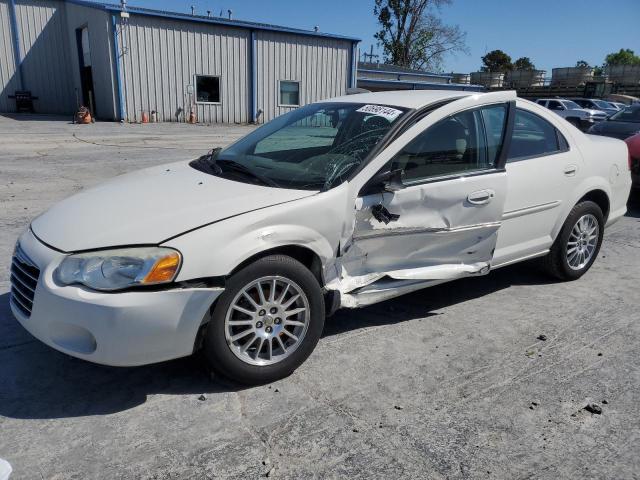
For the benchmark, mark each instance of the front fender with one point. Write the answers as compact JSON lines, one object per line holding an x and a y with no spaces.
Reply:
{"x":216,"y":250}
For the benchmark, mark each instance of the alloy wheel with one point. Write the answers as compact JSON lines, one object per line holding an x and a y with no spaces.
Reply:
{"x":582,"y":242}
{"x":267,"y":320}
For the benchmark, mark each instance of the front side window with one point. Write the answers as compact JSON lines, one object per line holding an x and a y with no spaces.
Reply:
{"x":207,"y":89}
{"x":464,"y":142}
{"x":289,"y":93}
{"x":569,"y":105}
{"x":315,"y":147}
{"x":534,"y":136}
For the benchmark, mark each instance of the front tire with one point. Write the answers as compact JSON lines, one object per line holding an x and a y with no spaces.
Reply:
{"x":577,"y":246}
{"x":266,"y":323}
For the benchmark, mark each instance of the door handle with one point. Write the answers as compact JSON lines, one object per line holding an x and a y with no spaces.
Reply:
{"x":570,"y":170}
{"x":481,"y":197}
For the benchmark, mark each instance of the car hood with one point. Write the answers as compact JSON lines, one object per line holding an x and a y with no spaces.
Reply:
{"x":591,"y":112}
{"x":150,"y":206}
{"x":620,"y":130}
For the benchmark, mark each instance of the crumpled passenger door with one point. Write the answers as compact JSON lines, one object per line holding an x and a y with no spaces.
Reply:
{"x":444,"y":221}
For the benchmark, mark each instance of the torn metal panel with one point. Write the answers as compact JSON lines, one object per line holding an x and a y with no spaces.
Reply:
{"x":381,"y":291}
{"x":375,"y":287}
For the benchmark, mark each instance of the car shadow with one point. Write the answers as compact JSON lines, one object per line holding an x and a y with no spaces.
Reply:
{"x":633,"y":205}
{"x":41,"y":383}
{"x":426,"y":302}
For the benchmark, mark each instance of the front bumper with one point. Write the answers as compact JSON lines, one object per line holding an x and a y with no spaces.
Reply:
{"x":120,"y":329}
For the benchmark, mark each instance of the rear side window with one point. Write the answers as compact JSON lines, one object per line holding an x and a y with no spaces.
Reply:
{"x":554,"y":105}
{"x":533,"y":136}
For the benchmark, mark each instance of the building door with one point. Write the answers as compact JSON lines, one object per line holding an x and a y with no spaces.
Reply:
{"x":86,"y":75}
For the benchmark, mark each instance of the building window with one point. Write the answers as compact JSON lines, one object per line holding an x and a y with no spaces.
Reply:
{"x":289,"y":93}
{"x":207,"y":89}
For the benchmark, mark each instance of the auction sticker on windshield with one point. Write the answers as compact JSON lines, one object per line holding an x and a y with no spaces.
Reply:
{"x":386,"y":112}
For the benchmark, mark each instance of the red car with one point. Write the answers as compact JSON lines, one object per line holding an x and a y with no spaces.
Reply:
{"x":634,"y":158}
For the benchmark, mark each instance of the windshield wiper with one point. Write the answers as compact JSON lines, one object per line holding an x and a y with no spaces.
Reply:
{"x":212,"y":164}
{"x":224,"y":163}
{"x":207,"y":163}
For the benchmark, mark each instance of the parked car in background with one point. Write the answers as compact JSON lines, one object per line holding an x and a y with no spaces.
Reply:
{"x":617,"y":105}
{"x":634,"y":159}
{"x":583,"y":118}
{"x":337,"y":204}
{"x":622,"y":125}
{"x":595,"y":104}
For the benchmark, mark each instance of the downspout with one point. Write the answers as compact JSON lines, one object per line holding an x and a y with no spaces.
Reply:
{"x":253,"y":76}
{"x":116,"y":61}
{"x":353,"y":66}
{"x":17,"y":53}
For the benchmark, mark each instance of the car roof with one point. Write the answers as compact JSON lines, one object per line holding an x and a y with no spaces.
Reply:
{"x":404,"y":98}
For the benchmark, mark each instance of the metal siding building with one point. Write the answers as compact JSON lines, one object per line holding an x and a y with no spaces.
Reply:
{"x":164,"y":55}
{"x":45,"y":65}
{"x":320,"y":65}
{"x":148,"y":60}
{"x":9,"y":81}
{"x":102,"y":56}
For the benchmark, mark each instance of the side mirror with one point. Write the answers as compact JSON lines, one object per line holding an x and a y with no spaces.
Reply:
{"x":384,"y":181}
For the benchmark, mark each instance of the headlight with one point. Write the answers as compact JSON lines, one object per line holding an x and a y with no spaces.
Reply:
{"x":120,"y":268}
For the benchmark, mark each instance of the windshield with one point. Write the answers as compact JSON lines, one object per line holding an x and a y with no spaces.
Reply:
{"x":315,"y":147}
{"x":571,"y":105}
{"x":630,"y":114}
{"x":601,"y":104}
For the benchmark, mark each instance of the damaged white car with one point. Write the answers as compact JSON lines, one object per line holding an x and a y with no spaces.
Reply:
{"x":342,"y":203}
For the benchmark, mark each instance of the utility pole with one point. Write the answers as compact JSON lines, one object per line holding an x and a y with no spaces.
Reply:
{"x":370,"y":56}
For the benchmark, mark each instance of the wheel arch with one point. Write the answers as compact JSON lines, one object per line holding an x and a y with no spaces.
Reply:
{"x":600,"y":198}
{"x":594,"y":191}
{"x":304,"y":255}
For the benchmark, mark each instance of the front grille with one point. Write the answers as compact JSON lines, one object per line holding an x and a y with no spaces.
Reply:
{"x":24,"y":279}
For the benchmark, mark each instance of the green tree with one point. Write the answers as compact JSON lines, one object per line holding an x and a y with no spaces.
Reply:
{"x":523,"y":63}
{"x":413,"y":35}
{"x":496,"y":61}
{"x":625,"y":56}
{"x":597,"y":71}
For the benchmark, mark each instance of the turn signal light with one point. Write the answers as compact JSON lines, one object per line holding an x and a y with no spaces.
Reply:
{"x":164,"y":270}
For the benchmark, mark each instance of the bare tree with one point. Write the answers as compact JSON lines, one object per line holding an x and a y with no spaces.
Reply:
{"x":413,"y":35}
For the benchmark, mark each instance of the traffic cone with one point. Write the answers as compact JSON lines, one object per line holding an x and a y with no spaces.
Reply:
{"x":145,"y":117}
{"x":192,"y":117}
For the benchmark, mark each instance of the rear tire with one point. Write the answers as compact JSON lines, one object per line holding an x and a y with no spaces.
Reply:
{"x":578,"y":243}
{"x":253,"y":337}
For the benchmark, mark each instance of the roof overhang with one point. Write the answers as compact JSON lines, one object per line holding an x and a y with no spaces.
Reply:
{"x":210,"y":20}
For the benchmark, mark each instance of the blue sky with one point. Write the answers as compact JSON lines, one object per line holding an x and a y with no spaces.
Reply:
{"x":553,"y":33}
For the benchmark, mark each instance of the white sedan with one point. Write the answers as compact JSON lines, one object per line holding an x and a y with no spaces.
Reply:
{"x":341,"y":203}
